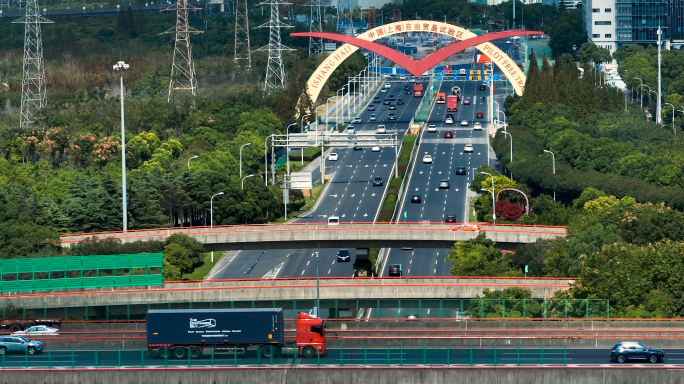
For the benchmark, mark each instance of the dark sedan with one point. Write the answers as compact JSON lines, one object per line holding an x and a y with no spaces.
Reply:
{"x":392,"y":97}
{"x":461,"y":171}
{"x":377,"y":182}
{"x":391,"y":116}
{"x":416,"y":199}
{"x":376,"y":99}
{"x":400,"y":102}
{"x":392,"y":107}
{"x":450,"y":218}
{"x":621,"y":352}
{"x":386,"y":102}
{"x":371,"y":107}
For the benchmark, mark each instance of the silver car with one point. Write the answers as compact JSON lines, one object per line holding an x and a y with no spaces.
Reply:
{"x":9,"y":344}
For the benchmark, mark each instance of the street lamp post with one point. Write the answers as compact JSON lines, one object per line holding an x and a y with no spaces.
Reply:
{"x":243,"y":180}
{"x":553,"y":156}
{"x":287,"y":147}
{"x":243,"y":145}
{"x":493,"y":196}
{"x":121,"y":67}
{"x":304,"y":117}
{"x":510,"y":137}
{"x":641,"y":94}
{"x":194,"y":157}
{"x":211,"y":221}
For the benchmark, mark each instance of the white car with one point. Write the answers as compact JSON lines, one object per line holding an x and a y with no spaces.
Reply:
{"x":468,"y":148}
{"x":432,"y":128}
{"x":448,"y":120}
{"x":427,"y":159}
{"x":375,"y":149}
{"x":477,"y":126}
{"x":332,"y":156}
{"x":381,"y":129}
{"x":384,"y":90}
{"x":351,"y":129}
{"x":37,"y":330}
{"x":464,"y":123}
{"x":402,"y":77}
{"x":388,"y":85}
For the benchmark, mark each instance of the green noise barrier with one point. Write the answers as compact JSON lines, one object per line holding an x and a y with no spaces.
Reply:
{"x":35,"y":274}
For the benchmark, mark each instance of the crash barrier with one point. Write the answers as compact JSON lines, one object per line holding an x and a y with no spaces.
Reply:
{"x":509,"y":309}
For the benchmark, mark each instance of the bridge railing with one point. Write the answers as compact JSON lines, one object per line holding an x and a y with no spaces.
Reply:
{"x":361,"y":356}
{"x":366,"y":309}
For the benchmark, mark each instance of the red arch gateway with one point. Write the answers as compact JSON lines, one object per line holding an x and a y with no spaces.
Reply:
{"x":416,"y":68}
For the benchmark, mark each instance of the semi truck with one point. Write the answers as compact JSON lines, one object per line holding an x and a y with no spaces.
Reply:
{"x":16,"y":325}
{"x":177,"y":333}
{"x":441,"y":98}
{"x":452,"y":103}
{"x":418,"y":90}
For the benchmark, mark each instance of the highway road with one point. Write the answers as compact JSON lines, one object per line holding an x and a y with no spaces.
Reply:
{"x":350,"y":195}
{"x":379,"y":356}
{"x":447,"y":155}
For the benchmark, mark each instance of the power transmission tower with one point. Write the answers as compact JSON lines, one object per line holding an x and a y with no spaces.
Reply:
{"x":315,"y":45}
{"x":275,"y":70}
{"x":243,"y":56}
{"x":33,"y":78}
{"x":183,"y":78}
{"x":5,"y":4}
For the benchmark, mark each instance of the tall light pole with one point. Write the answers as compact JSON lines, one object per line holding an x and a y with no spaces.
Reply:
{"x":287,"y":147}
{"x":510,"y":137}
{"x":243,"y":180}
{"x":493,"y":196}
{"x":194,"y":157}
{"x":242,"y":146}
{"x":641,"y":94}
{"x":659,"y":106}
{"x":553,"y":156}
{"x":121,"y":67}
{"x":211,"y":221}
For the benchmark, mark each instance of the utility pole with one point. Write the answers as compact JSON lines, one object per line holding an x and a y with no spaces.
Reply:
{"x":275,"y":69}
{"x":183,"y":78}
{"x":243,"y":56}
{"x":344,"y":14}
{"x":33,"y":77}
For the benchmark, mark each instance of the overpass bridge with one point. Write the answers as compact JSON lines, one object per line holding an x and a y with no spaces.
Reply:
{"x":201,"y":293}
{"x":322,"y":235}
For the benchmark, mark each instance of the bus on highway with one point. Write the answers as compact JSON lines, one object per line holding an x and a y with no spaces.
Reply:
{"x":441,"y":98}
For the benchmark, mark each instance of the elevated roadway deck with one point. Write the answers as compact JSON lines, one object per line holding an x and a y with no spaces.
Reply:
{"x":284,"y":289}
{"x":353,"y":235}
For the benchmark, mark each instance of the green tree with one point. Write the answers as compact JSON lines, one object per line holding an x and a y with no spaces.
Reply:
{"x":478,"y":257}
{"x":182,"y":252}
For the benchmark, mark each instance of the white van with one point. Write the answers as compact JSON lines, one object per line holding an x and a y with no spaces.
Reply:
{"x":334,"y":220}
{"x":381,"y":129}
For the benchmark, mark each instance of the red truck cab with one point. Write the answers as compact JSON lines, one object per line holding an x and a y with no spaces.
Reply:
{"x":310,"y":334}
{"x":418,"y":90}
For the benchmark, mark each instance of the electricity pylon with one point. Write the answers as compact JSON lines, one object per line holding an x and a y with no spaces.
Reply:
{"x":275,"y":70}
{"x":315,"y":44}
{"x":33,"y":78}
{"x":243,"y":55}
{"x":183,"y":78}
